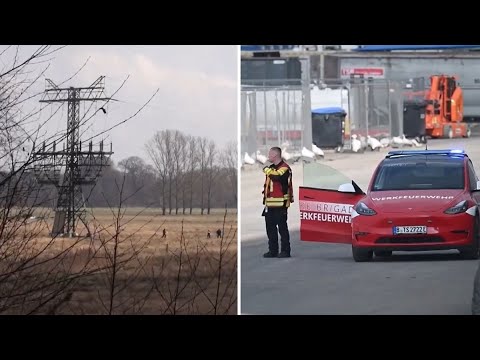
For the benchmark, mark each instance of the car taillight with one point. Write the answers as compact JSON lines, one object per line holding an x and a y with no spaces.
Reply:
{"x":363,"y":209}
{"x":461,"y":207}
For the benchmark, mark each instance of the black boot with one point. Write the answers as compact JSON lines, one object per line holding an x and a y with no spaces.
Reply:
{"x":284,"y":254}
{"x":270,"y":255}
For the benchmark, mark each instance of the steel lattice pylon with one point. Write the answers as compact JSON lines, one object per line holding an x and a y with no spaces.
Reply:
{"x":80,"y":166}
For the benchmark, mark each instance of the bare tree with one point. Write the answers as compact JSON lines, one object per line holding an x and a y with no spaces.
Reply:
{"x":179,"y":155}
{"x":223,"y":188}
{"x":192,"y":162}
{"x":139,"y":179}
{"x":203,"y":162}
{"x":35,"y":274}
{"x":197,"y":277}
{"x":212,"y":171}
{"x":124,"y":263}
{"x":44,"y":275}
{"x":38,"y":273}
{"x":174,"y":278}
{"x":135,"y":167}
{"x":218,"y":288}
{"x":158,"y":151}
{"x":229,"y":161}
{"x":16,"y":82}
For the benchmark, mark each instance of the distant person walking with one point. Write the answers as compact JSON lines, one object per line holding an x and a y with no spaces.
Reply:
{"x":277,"y":197}
{"x":208,"y":234}
{"x":164,"y":235}
{"x":219,"y":233}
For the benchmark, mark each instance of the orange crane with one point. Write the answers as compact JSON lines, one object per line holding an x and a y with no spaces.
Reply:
{"x":444,"y":110}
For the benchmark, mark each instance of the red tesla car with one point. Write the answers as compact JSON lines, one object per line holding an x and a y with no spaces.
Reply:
{"x":416,"y":201}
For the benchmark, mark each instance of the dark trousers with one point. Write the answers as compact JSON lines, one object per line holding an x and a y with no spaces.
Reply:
{"x":277,"y":217}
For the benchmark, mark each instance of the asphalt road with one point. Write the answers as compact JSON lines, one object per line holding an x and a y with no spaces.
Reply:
{"x":324,"y":279}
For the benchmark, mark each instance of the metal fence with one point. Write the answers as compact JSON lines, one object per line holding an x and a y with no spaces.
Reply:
{"x":274,"y":115}
{"x":376,"y":108}
{"x":279,"y":113}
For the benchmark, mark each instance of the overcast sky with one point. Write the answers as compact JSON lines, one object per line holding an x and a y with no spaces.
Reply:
{"x":197,"y":90}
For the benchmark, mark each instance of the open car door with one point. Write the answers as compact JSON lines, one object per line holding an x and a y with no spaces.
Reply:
{"x":326,"y":201}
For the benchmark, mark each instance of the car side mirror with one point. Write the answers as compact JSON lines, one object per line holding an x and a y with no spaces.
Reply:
{"x":347,"y":188}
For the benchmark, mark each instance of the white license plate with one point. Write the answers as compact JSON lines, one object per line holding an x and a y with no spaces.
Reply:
{"x":409,"y":230}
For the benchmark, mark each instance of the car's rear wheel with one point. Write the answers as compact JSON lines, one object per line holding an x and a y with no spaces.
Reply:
{"x":383,"y":253}
{"x":361,"y":255}
{"x":473,"y":252}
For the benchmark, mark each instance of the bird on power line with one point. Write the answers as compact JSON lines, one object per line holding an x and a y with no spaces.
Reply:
{"x":104,"y":111}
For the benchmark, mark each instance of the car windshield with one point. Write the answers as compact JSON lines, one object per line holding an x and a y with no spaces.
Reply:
{"x":414,"y":174}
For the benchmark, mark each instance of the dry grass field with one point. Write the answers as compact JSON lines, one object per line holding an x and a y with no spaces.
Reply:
{"x":124,"y":267}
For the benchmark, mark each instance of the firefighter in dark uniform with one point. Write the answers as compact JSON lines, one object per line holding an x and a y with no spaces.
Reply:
{"x":277,"y":197}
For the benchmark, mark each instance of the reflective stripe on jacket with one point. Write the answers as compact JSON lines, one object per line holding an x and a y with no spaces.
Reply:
{"x":278,"y":189}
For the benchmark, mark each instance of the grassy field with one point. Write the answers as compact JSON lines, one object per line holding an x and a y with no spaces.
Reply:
{"x":126,"y":266}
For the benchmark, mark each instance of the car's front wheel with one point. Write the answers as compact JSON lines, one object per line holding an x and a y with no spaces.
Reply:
{"x":361,"y":255}
{"x":383,"y":253}
{"x":473,"y":251}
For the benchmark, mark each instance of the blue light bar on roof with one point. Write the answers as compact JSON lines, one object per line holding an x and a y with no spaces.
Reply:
{"x":452,"y":152}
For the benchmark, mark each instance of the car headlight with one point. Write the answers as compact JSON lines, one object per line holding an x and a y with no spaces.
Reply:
{"x":461,"y":207}
{"x":363,"y":209}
